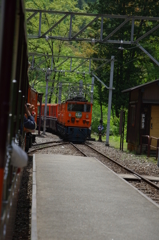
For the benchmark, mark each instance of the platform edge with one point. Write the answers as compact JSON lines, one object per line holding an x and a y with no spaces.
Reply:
{"x":149,"y":199}
{"x":33,"y":212}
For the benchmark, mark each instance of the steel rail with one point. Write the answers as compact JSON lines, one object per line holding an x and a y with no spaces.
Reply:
{"x":129,"y":170}
{"x":58,"y":141}
{"x":78,"y":150}
{"x":41,"y":148}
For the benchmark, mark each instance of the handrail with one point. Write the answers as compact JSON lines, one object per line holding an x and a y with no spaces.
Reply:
{"x":151,"y":137}
{"x":149,"y":144}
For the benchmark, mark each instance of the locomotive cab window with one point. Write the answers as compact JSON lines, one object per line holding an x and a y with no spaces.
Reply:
{"x":88,"y":107}
{"x":79,"y":107}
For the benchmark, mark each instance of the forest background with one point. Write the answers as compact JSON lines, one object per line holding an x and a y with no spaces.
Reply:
{"x":132,"y":67}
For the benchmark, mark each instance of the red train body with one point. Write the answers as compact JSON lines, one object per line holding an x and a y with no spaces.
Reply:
{"x":14,"y":92}
{"x":51,"y":118}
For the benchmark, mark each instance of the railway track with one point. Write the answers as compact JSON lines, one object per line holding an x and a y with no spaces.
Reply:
{"x":143,"y":184}
{"x":41,"y":146}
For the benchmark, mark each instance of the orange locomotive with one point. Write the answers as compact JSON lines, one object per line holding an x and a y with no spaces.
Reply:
{"x":70,"y":119}
{"x":74,"y":119}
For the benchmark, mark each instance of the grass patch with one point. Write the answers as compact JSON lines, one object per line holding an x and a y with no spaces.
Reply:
{"x":114,"y":141}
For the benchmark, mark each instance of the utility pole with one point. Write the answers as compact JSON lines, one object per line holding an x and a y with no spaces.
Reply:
{"x":60,"y":92}
{"x":92,"y":87}
{"x":110,"y":100}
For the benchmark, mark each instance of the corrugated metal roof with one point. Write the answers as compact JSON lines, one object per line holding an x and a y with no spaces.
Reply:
{"x":140,"y":86}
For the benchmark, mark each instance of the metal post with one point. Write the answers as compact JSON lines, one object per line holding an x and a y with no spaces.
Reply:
{"x":92,"y":87}
{"x":80,"y":88}
{"x":101,"y":31}
{"x":110,"y":100}
{"x":40,"y":24}
{"x":45,"y":110}
{"x":89,"y":65}
{"x":70,"y":26}
{"x":60,"y":90}
{"x":132,"y":31}
{"x":70,"y":64}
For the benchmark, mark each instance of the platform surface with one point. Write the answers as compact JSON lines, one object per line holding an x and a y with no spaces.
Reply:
{"x":78,"y":198}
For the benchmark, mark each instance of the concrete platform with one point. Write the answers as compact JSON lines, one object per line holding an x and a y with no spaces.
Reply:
{"x":78,"y":198}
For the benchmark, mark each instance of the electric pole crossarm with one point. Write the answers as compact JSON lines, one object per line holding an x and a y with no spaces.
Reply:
{"x":62,"y":62}
{"x":84,"y":28}
{"x":54,"y":25}
{"x":102,"y":82}
{"x":148,"y":33}
{"x":115,"y":30}
{"x":79,"y":65}
{"x":148,"y":54}
{"x":103,"y":64}
{"x":28,"y":19}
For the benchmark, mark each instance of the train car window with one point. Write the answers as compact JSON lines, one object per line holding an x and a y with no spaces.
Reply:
{"x":47,"y":111}
{"x":69,"y":107}
{"x":39,"y":110}
{"x":88,"y":107}
{"x":51,"y":110}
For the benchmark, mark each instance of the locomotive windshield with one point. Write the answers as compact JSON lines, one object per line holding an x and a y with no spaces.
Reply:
{"x":74,"y":107}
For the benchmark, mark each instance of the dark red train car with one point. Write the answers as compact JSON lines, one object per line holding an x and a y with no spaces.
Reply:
{"x":51,"y":116}
{"x":33,"y":99}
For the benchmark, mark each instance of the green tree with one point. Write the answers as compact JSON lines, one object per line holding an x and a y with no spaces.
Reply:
{"x":132,"y":66}
{"x":55,"y":47}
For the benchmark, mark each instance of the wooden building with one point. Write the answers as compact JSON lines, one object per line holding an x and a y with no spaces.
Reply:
{"x":143,"y":115}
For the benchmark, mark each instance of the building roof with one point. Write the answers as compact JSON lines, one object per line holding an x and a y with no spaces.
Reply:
{"x":140,"y":86}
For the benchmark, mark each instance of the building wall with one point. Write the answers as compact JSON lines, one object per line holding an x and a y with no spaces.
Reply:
{"x":151,"y":93}
{"x":133,"y":134}
{"x":141,"y":101}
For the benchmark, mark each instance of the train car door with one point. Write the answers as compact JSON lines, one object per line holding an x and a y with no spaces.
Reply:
{"x":154,"y":124}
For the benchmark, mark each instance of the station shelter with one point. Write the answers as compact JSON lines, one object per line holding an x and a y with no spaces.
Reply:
{"x":143,"y":117}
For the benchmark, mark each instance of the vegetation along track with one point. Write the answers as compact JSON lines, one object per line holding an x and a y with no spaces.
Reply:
{"x":137,"y":180}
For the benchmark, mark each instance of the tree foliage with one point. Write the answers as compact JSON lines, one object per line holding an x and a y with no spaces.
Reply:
{"x":132,"y":66}
{"x":55,"y":47}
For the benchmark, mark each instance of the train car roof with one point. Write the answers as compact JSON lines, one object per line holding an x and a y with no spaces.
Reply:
{"x":49,"y":104}
{"x":33,"y":89}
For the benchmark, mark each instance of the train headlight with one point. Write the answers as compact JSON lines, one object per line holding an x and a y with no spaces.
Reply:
{"x":69,"y":115}
{"x":87,"y":116}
